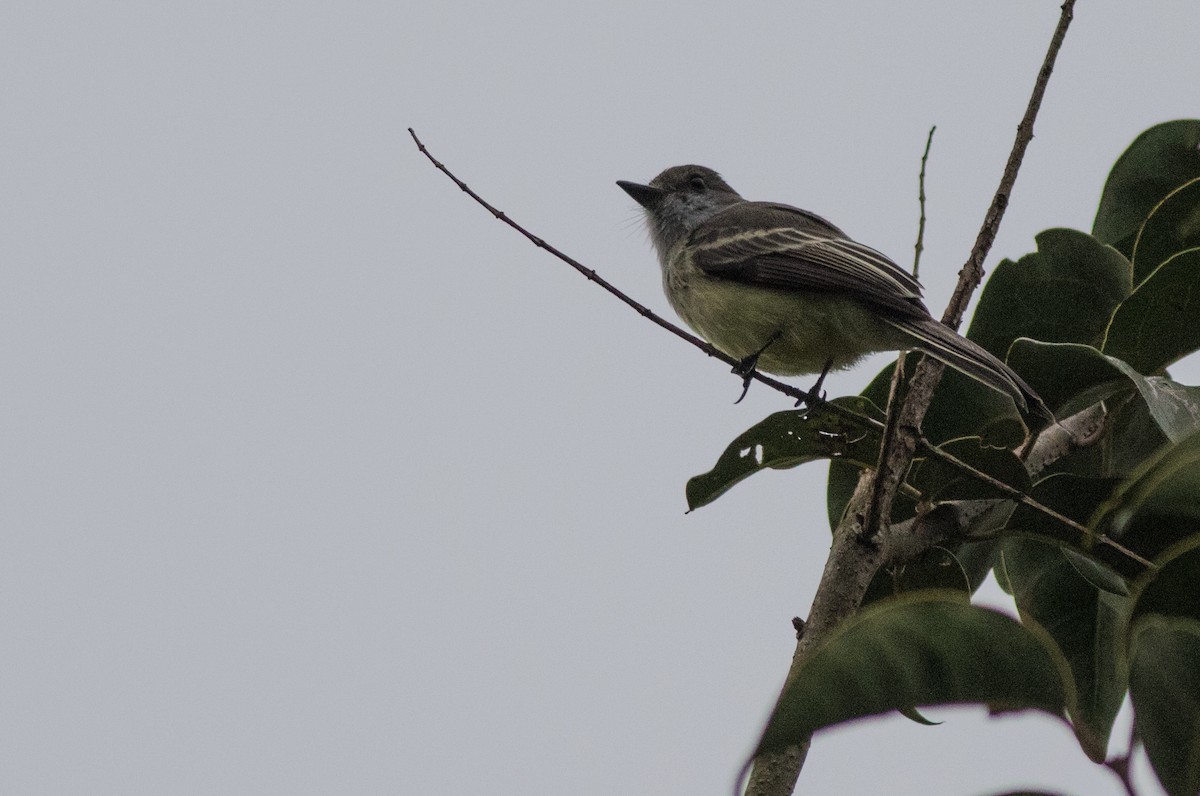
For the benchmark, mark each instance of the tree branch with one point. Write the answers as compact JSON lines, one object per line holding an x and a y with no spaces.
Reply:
{"x":786,"y":389}
{"x":856,"y":553}
{"x":920,"y":245}
{"x":863,"y":542}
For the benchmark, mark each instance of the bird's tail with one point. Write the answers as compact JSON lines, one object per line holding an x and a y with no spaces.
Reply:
{"x":945,"y":345}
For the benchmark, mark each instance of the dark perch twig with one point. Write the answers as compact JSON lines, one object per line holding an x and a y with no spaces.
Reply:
{"x":852,"y":563}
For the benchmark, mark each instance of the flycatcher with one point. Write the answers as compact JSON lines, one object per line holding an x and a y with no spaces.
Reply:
{"x":783,"y":290}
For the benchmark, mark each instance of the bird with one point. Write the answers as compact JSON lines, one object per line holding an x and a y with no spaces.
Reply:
{"x":784,"y":291}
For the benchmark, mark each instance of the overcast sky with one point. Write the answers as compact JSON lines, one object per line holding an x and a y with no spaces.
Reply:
{"x":316,"y":479}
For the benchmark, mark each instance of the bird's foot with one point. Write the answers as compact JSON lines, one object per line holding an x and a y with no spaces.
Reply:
{"x":746,"y":367}
{"x":815,"y":395}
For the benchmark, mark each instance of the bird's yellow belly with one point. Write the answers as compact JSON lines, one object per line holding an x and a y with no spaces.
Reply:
{"x":810,"y":329}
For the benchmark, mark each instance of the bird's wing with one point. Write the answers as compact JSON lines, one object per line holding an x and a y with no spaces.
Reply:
{"x":784,"y":247}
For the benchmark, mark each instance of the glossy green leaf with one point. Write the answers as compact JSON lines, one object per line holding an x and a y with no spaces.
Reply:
{"x":1077,"y":498}
{"x":788,"y":439}
{"x":1156,"y":163}
{"x":1071,"y":377}
{"x":1164,"y":686}
{"x":938,"y":480}
{"x":1159,"y":504}
{"x":914,"y":715}
{"x":1173,"y":226}
{"x":1157,"y":324}
{"x":1174,"y":588}
{"x":977,"y":558}
{"x":1174,"y":407}
{"x":1087,"y":625}
{"x":1101,"y":576}
{"x":936,"y":568}
{"x":962,"y":407}
{"x":1132,"y":438}
{"x":1063,"y":293}
{"x":838,"y":490}
{"x":1167,"y":485}
{"x":929,"y":648}
{"x":1164,"y":641}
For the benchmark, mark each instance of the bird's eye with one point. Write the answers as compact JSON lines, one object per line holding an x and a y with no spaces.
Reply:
{"x":697,"y":182}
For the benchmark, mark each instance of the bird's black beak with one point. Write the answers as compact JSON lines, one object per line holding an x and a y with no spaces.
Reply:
{"x":647,"y":196}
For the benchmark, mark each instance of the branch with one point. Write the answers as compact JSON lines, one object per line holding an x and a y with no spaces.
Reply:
{"x":972,"y":273}
{"x":787,"y":389}
{"x":920,"y":247}
{"x":856,"y":554}
{"x":641,"y":309}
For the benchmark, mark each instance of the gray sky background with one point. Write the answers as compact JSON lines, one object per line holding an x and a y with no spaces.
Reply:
{"x":316,"y":479}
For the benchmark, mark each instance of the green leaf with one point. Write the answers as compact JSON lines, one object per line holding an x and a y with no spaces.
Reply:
{"x":1159,"y":504}
{"x":962,"y":407}
{"x":1132,"y":437}
{"x":1156,"y":163}
{"x":936,"y":568}
{"x":1077,"y":498}
{"x":938,"y":480}
{"x":1173,"y":226}
{"x":838,"y":490}
{"x":1165,"y":665}
{"x":1167,"y":485}
{"x":1064,"y":293}
{"x":1164,"y":686}
{"x":1074,"y":377}
{"x":1085,"y":623}
{"x":1172,"y":589}
{"x":912,"y":714}
{"x":1157,"y":325}
{"x":930,"y":648}
{"x":1102,"y":577}
{"x":1071,"y":377}
{"x":788,"y":439}
{"x":1174,"y":407}
{"x":977,"y":558}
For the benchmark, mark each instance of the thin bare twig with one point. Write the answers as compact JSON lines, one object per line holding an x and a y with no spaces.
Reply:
{"x":852,"y":563}
{"x":895,"y":460}
{"x":972,"y":273}
{"x":589,"y":273}
{"x":920,"y":246}
{"x":1085,"y":535}
{"x":897,"y":390}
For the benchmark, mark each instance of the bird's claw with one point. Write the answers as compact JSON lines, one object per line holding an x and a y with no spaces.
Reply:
{"x":816,"y":395}
{"x":812,"y":398}
{"x":746,"y":379}
{"x":745,"y":369}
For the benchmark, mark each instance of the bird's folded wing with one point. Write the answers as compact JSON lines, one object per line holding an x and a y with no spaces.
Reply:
{"x":783,"y":247}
